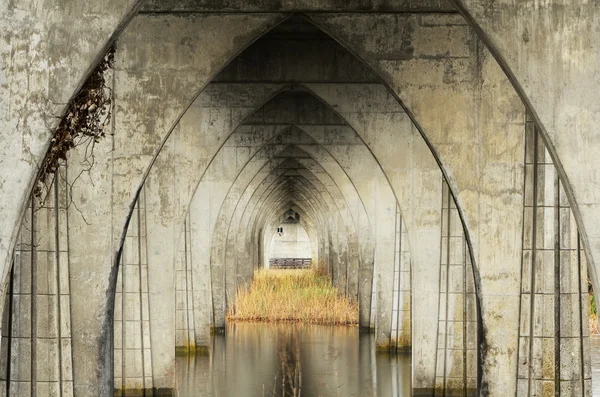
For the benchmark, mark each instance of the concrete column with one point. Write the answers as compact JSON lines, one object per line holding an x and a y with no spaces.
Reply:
{"x":550,"y":50}
{"x":457,"y":339}
{"x":132,"y":326}
{"x":201,"y":275}
{"x":185,"y":330}
{"x":554,"y":333}
{"x":36,"y":358}
{"x":401,"y":337}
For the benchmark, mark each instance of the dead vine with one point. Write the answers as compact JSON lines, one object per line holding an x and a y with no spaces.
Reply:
{"x":84,"y":124}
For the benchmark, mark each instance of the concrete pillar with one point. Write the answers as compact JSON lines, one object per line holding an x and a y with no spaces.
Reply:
{"x":550,"y":51}
{"x":185,"y":330}
{"x":457,"y":339}
{"x":36,"y":355}
{"x":554,"y":355}
{"x":133,"y":365}
{"x":401,"y":336}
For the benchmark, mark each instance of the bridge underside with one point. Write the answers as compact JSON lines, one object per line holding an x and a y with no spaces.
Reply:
{"x":439,"y":157}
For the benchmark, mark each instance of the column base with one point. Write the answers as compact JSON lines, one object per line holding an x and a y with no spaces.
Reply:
{"x":155,"y":392}
{"x":192,"y":350}
{"x":432,"y":392}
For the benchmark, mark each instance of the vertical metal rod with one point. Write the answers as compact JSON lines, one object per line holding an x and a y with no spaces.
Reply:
{"x":465,"y":315}
{"x":57,"y":279}
{"x":10,"y":326}
{"x":187,"y":298}
{"x":533,"y":258}
{"x":557,"y":295}
{"x":581,"y":335}
{"x":448,"y":231}
{"x":141,"y":297}
{"x":33,"y":305}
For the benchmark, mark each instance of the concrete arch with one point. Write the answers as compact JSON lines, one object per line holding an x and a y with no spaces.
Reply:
{"x":427,"y":271}
{"x":237,"y":233}
{"x":327,"y":196}
{"x":394,"y":206}
{"x":263,"y":200}
{"x":328,"y":209}
{"x":474,"y":199}
{"x":55,"y":67}
{"x":269,"y":253}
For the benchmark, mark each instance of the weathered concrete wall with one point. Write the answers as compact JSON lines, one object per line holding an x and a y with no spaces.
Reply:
{"x":291,"y":242}
{"x":551,"y":52}
{"x":295,"y":5}
{"x":453,"y":90}
{"x":46,"y":51}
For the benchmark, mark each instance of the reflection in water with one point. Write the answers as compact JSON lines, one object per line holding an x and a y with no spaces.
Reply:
{"x":293,"y":360}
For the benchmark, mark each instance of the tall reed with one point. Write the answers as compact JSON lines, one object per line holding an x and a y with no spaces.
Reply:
{"x":295,"y":296}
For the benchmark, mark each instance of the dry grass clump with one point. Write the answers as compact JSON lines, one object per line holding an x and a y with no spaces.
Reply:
{"x":294,"y":296}
{"x":594,"y":328}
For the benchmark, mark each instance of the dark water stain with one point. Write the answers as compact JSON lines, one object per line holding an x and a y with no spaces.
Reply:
{"x":293,"y":360}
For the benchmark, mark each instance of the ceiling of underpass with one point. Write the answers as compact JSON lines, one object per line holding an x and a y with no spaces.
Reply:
{"x":298,"y":156}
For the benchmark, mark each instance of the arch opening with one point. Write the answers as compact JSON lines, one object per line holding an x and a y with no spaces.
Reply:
{"x":290,"y":247}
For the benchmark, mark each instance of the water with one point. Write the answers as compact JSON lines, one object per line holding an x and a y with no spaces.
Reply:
{"x":293,"y":360}
{"x":308,"y":360}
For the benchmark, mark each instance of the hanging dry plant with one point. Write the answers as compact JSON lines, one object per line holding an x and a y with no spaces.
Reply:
{"x":83,"y":124}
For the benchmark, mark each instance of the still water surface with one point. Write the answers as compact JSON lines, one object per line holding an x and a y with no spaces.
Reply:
{"x":293,"y":360}
{"x":303,"y":360}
